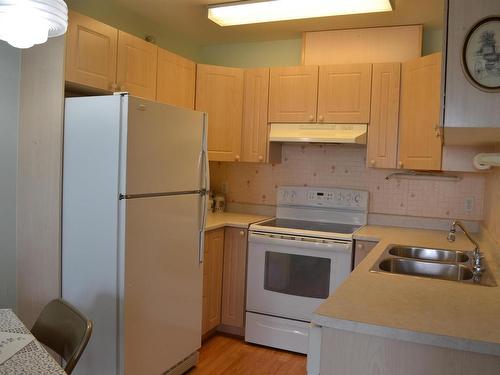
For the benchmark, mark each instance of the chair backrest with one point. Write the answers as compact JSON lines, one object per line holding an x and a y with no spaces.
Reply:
{"x":63,"y":329}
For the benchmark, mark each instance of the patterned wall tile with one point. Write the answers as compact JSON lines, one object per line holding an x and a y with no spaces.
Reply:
{"x":344,"y":166}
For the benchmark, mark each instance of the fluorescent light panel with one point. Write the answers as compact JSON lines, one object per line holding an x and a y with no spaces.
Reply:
{"x":246,"y":12}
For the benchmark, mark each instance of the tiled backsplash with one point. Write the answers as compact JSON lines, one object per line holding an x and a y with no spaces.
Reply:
{"x":492,"y":202}
{"x":344,"y":166}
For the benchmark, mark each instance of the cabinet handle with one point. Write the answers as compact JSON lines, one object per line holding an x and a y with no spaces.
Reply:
{"x":237,"y":158}
{"x":123,"y":88}
{"x":360,"y":246}
{"x":261,"y":157}
{"x":372,"y":162}
{"x":242,"y":233}
{"x":113,"y":86}
{"x":400,"y":164}
{"x":437,"y":130}
{"x":311,"y":118}
{"x":320,"y":118}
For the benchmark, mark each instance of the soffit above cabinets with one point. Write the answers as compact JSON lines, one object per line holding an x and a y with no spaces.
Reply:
{"x":189,"y":17}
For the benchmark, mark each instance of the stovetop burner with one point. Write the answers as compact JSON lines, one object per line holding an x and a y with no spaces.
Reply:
{"x":315,"y":226}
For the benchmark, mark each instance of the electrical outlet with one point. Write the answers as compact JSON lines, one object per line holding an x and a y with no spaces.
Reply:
{"x":224,"y":187}
{"x":469,"y":204}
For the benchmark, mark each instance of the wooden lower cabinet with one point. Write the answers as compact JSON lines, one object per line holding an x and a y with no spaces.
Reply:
{"x":234,"y":278}
{"x":212,"y":279}
{"x":224,"y":280}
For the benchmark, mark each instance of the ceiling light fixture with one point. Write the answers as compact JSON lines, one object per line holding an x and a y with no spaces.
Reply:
{"x":246,"y":12}
{"x":24,"y":23}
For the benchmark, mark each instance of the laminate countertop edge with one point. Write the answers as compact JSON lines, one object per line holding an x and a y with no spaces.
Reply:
{"x":231,"y":219}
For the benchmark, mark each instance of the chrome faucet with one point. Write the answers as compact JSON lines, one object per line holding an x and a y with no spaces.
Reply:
{"x":477,"y":264}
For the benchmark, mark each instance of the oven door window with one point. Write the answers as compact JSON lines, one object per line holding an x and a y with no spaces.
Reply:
{"x":297,"y":275}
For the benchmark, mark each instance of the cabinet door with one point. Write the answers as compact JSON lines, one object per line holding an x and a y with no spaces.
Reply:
{"x":233,"y":289}
{"x":91,"y":52}
{"x":382,"y":146}
{"x":293,"y":94}
{"x":420,"y":145}
{"x":255,"y":131}
{"x":219,"y":92}
{"x":176,"y":79}
{"x":212,"y":279}
{"x":344,"y":93}
{"x":136,"y":66}
{"x":361,"y":250}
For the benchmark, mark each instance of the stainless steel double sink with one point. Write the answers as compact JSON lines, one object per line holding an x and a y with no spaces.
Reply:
{"x":452,"y":265}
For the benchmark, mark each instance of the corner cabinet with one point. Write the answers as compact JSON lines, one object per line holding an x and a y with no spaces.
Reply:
{"x":293,"y":94}
{"x":420,"y":141}
{"x":212,"y":279}
{"x":255,"y":131}
{"x":344,"y":93}
{"x":224,"y":280}
{"x":91,"y":50}
{"x":382,"y":145}
{"x":219,"y":92}
{"x":176,"y":80}
{"x":136,"y":66}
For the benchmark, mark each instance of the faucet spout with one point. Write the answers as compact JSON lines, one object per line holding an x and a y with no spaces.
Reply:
{"x":452,"y":234}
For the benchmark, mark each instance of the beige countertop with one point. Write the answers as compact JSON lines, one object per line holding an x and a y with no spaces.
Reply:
{"x":231,"y":219}
{"x":427,"y":311}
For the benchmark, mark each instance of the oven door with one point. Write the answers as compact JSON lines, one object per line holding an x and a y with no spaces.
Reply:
{"x":290,"y":276}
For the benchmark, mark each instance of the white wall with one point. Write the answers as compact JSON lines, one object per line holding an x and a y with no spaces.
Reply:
{"x":9,"y":119}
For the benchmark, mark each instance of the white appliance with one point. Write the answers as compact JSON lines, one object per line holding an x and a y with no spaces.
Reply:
{"x":298,"y":259}
{"x":134,"y":206}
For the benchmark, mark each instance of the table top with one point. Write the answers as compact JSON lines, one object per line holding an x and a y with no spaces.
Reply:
{"x":33,"y":358}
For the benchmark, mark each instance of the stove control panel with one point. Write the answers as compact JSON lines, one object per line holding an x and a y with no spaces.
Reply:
{"x":323,"y":197}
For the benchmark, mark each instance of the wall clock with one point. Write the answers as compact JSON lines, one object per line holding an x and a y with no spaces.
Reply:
{"x":481,"y":54}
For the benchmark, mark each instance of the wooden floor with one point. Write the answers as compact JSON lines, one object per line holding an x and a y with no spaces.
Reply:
{"x":229,"y":355}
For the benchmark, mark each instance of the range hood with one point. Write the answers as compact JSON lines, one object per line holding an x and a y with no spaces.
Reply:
{"x":319,"y":133}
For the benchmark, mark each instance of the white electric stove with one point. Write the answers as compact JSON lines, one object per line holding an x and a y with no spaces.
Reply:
{"x":298,"y":259}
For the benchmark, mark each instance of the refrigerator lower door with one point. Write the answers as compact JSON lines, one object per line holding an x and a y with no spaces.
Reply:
{"x":162,"y":286}
{"x":165,"y":148}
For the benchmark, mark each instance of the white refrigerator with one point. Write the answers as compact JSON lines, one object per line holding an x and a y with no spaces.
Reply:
{"x":134,"y":206}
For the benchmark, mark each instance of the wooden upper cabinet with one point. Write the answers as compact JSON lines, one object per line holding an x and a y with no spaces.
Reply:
{"x":136,"y":66}
{"x":212,"y":279}
{"x":344,"y":93}
{"x":382,"y":145}
{"x":91,"y":48}
{"x":234,"y":277}
{"x":176,"y":80}
{"x":219,"y":92}
{"x":255,"y":133}
{"x":293,"y":94}
{"x":420,"y":142}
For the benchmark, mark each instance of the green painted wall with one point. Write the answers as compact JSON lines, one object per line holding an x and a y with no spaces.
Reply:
{"x":255,"y":54}
{"x":282,"y":52}
{"x":111,"y":13}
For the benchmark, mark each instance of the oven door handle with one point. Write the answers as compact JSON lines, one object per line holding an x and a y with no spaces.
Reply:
{"x":300,"y":241}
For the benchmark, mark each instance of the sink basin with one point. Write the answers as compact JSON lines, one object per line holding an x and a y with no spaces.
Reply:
{"x":429,"y":254}
{"x":444,"y":271}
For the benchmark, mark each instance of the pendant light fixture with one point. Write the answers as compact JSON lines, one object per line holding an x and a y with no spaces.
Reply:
{"x":259,"y":11}
{"x":24,"y":23}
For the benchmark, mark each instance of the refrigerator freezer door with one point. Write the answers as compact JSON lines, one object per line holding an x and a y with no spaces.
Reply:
{"x":163,"y":282}
{"x":164,"y":148}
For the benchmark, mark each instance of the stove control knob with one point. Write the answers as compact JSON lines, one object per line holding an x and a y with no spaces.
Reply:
{"x":293,"y":195}
{"x":357,"y":198}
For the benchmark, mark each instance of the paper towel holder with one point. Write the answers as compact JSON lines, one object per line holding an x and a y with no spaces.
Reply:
{"x":485,"y":161}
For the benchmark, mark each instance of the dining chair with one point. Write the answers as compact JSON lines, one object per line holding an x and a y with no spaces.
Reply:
{"x":64,"y":329}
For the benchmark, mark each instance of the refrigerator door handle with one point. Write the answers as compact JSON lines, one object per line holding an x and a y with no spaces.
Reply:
{"x":204,"y":192}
